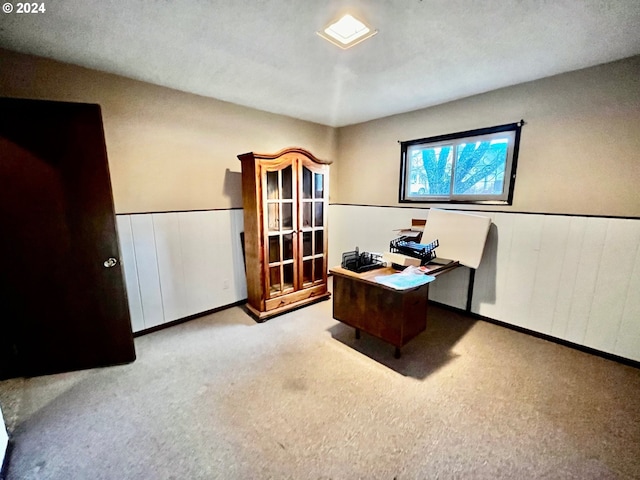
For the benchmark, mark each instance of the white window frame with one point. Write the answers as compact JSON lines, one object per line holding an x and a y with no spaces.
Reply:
{"x":509,"y":131}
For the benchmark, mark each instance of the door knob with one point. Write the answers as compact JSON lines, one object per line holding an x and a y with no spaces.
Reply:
{"x":110,"y":262}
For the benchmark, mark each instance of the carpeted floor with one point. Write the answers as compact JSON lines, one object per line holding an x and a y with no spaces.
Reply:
{"x":298,"y":397}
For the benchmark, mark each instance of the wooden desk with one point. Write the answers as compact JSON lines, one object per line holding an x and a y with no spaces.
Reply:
{"x":395,"y":316}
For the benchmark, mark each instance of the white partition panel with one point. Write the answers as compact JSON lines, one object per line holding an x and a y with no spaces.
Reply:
{"x":128,"y":261}
{"x":461,"y":235}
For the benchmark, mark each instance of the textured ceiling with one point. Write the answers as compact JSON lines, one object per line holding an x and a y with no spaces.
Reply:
{"x":265,"y":53}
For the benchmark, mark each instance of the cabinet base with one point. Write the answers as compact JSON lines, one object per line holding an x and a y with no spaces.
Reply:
{"x":262,"y":316}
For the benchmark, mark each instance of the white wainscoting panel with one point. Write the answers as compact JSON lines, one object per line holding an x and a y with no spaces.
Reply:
{"x":521,"y":265}
{"x":128,"y":262}
{"x":198,"y":231}
{"x":613,"y":284}
{"x":587,"y":274}
{"x":179,"y":264}
{"x":144,"y":244}
{"x":628,"y":339}
{"x":574,"y":278}
{"x":166,"y":228}
{"x":568,"y":275}
{"x":549,"y":266}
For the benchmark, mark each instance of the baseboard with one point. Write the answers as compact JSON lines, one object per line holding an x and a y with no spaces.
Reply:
{"x":544,"y":336}
{"x":187,"y":319}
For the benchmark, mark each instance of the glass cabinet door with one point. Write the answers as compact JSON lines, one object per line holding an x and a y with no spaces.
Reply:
{"x":313,"y":193}
{"x":281,"y":228}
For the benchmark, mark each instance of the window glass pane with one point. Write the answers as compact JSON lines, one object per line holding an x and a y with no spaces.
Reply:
{"x":306,"y":214}
{"x":319,"y":184}
{"x":474,"y":166}
{"x":288,"y":276}
{"x":306,"y":182}
{"x":287,"y":246}
{"x":287,"y":182}
{"x":319,"y":242}
{"x":306,"y":244}
{"x":429,"y":171}
{"x":274,"y":279}
{"x":274,"y":248}
{"x":306,"y":271}
{"x":287,"y":216}
{"x":273,"y":216}
{"x":318,"y":219}
{"x":318,"y":268}
{"x":272,"y":185}
{"x":480,"y":167}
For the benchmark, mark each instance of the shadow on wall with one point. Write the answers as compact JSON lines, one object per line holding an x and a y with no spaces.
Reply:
{"x":484,"y":290}
{"x":232,"y":187}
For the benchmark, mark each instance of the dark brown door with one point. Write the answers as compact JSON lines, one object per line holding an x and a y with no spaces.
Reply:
{"x":63,"y":305}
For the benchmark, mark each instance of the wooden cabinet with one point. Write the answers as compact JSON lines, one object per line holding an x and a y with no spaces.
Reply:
{"x":285,"y":199}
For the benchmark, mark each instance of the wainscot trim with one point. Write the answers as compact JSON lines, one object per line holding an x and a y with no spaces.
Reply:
{"x":187,"y":319}
{"x":475,"y":210}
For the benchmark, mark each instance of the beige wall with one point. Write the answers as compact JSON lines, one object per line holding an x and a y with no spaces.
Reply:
{"x":168,"y":150}
{"x":579,"y":152}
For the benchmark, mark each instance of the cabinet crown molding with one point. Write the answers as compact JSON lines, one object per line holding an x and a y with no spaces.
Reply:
{"x":284,"y":151}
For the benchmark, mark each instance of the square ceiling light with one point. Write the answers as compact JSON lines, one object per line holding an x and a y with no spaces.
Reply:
{"x":347,"y":32}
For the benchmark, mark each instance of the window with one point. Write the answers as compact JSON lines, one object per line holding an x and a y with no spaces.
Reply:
{"x":476,"y":166}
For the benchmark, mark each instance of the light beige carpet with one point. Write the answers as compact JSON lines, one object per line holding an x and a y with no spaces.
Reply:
{"x":298,"y":397}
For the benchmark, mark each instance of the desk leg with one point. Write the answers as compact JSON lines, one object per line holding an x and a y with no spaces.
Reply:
{"x":357,"y":334}
{"x":396,"y":354}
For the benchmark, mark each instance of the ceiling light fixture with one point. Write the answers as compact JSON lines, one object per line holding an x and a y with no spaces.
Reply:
{"x":347,"y":31}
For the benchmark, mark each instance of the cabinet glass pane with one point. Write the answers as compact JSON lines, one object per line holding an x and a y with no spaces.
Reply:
{"x":287,"y":216}
{"x":287,"y":182}
{"x":306,"y":182}
{"x":306,"y":244}
{"x":319,"y":242}
{"x":272,"y":185}
{"x":306,"y":271}
{"x":274,"y":279}
{"x":317,"y":271}
{"x":319,"y":184}
{"x":273,"y":217}
{"x":319,"y":208}
{"x":287,"y":246}
{"x":306,"y":214}
{"x":274,"y":249}
{"x":288,"y":275}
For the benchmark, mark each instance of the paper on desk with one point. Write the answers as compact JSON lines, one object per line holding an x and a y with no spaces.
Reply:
{"x":408,"y":278}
